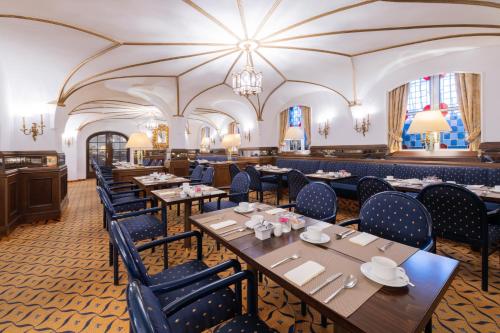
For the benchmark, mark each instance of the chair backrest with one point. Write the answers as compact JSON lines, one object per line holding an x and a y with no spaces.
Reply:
{"x":296,"y":181}
{"x":457,"y":213}
{"x":240,"y":184}
{"x":255,"y":182}
{"x":106,"y":201}
{"x":208,"y":176}
{"x":369,"y":186}
{"x":197,"y":172}
{"x":396,"y":216}
{"x":233,"y":170}
{"x":128,"y":252}
{"x":144,"y":310}
{"x":317,"y":200}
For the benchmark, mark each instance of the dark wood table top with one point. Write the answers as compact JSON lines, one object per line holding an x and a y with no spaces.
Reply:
{"x":151,"y":182}
{"x":405,"y":309}
{"x":328,"y":178}
{"x":208,"y":192}
{"x":485,"y":193}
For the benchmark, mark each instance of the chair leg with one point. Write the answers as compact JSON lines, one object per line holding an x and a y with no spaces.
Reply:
{"x":110,"y":253}
{"x":277,"y":197}
{"x":303,"y":308}
{"x":153,"y":249}
{"x":218,"y":246}
{"x":261,"y":277}
{"x":484,"y":273}
{"x":116,"y":277}
{"x":428,"y":327}
{"x":104,"y":224}
{"x":261,"y":197}
{"x":165,"y":256}
{"x":178,"y":209}
{"x":323,"y":321}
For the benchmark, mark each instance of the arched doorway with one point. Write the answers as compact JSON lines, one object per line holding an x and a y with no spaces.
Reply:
{"x":106,"y":148}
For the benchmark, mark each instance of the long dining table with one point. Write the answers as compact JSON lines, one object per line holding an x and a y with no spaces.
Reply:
{"x":385,"y":310}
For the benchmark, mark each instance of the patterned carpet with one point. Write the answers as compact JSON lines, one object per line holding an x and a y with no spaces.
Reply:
{"x":55,"y":277}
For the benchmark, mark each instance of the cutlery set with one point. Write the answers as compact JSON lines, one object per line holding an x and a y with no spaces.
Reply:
{"x":344,"y":234}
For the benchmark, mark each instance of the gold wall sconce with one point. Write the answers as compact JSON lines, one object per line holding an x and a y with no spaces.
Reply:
{"x":363,"y":125}
{"x":324,"y":128}
{"x":35,"y":130}
{"x":247,"y":135}
{"x":361,"y":118}
{"x":68,"y":140}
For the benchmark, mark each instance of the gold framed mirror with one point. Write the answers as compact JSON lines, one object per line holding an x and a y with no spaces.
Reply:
{"x":160,"y":137}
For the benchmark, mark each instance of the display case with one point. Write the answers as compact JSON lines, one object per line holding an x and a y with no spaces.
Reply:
{"x":19,"y":159}
{"x":258,"y":151}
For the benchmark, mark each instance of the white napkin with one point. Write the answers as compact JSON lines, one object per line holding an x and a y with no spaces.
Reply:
{"x":363,"y":239}
{"x":220,"y":225}
{"x":275,"y":211}
{"x":304,"y":273}
{"x":474,"y":187}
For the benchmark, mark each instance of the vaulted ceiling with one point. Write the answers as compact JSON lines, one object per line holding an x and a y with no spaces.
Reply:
{"x":125,"y":58}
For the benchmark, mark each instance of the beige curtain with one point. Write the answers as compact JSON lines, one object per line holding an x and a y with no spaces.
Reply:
{"x":232,"y":128}
{"x":283,"y":126}
{"x":306,"y":123}
{"x":203,"y":132}
{"x":469,"y":97}
{"x":398,"y":101}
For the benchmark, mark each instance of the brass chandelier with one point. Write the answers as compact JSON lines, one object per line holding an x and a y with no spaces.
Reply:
{"x":247,"y":82}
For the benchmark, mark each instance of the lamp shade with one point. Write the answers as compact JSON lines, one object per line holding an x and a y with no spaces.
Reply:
{"x":429,"y":121}
{"x":231,"y":140}
{"x":294,"y":133}
{"x":139,"y":140}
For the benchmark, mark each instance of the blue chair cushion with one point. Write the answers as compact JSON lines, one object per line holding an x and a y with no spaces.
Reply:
{"x":128,"y":207}
{"x":344,"y":190}
{"x":142,"y":227}
{"x":212,"y":206}
{"x":211,"y":310}
{"x":269,"y":186}
{"x":269,"y":179}
{"x":246,"y":323}
{"x":490,"y":206}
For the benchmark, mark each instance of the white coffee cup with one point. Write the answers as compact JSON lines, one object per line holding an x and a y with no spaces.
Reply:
{"x":451,"y":182}
{"x":390,"y":177}
{"x":385,"y":268}
{"x":497,"y":188}
{"x":257,"y":219}
{"x":319,"y":171}
{"x":244,"y":205}
{"x":278,"y":229}
{"x":183,"y":194}
{"x":313,"y":233}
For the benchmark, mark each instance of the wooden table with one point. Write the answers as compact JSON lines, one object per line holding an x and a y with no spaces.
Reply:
{"x":148,"y":184}
{"x":125,"y":174}
{"x":325,"y":177}
{"x":407,"y":309}
{"x":484,"y":193}
{"x":280,"y":172}
{"x":209,"y":192}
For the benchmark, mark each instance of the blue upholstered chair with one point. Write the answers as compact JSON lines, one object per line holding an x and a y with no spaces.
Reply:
{"x":460,"y":215}
{"x":141,"y":224}
{"x":207,"y":177}
{"x":369,"y":186}
{"x":316,"y":200}
{"x":260,"y":185}
{"x":197,"y":173}
{"x":148,"y":316}
{"x":396,"y":216}
{"x":296,"y":181}
{"x":238,"y":192}
{"x":233,"y":170}
{"x":175,"y":282}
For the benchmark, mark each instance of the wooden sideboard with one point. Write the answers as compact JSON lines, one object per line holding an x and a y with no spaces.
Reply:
{"x":33,"y":187}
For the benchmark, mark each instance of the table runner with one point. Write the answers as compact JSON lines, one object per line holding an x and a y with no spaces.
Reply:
{"x":347,"y":301}
{"x":224,"y":216}
{"x":397,"y":252}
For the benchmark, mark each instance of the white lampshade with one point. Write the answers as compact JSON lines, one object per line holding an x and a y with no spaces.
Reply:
{"x":139,"y":140}
{"x":294,"y":133}
{"x":429,"y":121}
{"x":231,"y":140}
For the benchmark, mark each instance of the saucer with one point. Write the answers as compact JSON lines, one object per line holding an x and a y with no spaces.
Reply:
{"x":324,"y":238}
{"x":240,"y":210}
{"x":401,"y":279}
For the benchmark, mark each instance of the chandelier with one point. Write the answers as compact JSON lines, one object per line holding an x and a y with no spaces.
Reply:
{"x":247,"y":82}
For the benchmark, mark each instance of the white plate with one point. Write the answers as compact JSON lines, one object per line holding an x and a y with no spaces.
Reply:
{"x":237,"y":209}
{"x":324,"y":239}
{"x":400,"y":281}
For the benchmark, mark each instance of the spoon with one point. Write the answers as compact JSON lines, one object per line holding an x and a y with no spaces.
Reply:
{"x":229,"y":232}
{"x":293,"y":257}
{"x":386,"y":246}
{"x":349,"y":282}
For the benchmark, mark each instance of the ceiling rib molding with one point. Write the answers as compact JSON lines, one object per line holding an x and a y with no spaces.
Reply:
{"x":410,"y":27}
{"x":453,"y":2}
{"x":120,"y":117}
{"x":61,"y":24}
{"x":317,"y":17}
{"x":304,"y":49}
{"x":261,"y":111}
{"x":213,"y":111}
{"x":113,"y":102}
{"x":207,"y":62}
{"x":211,"y":18}
{"x":75,"y":89}
{"x":272,"y":65}
{"x":174,"y":44}
{"x":242,"y":17}
{"x":76,"y":111}
{"x":425,"y":41}
{"x":266,"y":18}
{"x":198,"y":94}
{"x":232,"y":66}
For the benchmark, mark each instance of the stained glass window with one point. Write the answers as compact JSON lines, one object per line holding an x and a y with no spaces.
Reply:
{"x":295,"y":120}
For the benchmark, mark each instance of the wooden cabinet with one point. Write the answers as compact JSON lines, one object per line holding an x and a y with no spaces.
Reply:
{"x":33,"y":187}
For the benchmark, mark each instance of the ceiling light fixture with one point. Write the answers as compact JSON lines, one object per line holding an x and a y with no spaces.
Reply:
{"x":247,"y":82}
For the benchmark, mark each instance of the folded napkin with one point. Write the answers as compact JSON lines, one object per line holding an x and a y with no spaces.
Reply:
{"x":363,"y":239}
{"x":220,"y":225}
{"x":304,"y":273}
{"x":474,"y":187}
{"x":275,"y":211}
{"x":169,"y":193}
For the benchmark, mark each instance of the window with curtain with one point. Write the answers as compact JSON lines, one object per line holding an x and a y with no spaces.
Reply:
{"x":296,"y":118}
{"x":435,"y":90}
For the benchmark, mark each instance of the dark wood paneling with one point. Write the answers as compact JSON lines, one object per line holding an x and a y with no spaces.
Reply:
{"x":491,"y":150}
{"x":40,"y":192}
{"x":179,"y":167}
{"x":350,"y":151}
{"x":441,"y":155}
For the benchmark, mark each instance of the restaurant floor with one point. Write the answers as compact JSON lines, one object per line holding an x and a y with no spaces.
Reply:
{"x":55,"y":277}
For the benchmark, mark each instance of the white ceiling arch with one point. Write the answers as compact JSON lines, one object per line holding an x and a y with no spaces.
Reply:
{"x":194,"y":44}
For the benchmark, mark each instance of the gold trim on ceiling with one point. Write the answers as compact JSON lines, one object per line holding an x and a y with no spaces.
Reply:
{"x":213,"y":111}
{"x":304,"y":49}
{"x":241,"y":10}
{"x":207,"y":62}
{"x":452,"y":2}
{"x":198,"y":94}
{"x":272,"y":65}
{"x":266,"y":18}
{"x":232,"y":66}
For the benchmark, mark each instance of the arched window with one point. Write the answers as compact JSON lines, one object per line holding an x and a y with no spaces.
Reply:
{"x":431,"y":92}
{"x":106,"y":148}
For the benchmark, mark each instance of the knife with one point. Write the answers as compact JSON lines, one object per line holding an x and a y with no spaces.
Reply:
{"x":329,"y":280}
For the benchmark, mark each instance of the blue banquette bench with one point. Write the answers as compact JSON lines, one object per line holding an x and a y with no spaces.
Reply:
{"x":347,"y":188}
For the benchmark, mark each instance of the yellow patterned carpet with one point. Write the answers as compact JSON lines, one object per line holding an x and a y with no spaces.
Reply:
{"x":55,"y":277}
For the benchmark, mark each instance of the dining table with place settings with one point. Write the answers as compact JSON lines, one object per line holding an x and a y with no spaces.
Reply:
{"x":272,"y":170}
{"x":156,"y":181}
{"x":330,"y":176}
{"x":338,"y":276}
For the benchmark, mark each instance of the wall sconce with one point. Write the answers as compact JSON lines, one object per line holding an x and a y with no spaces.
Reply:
{"x":69,"y":138}
{"x":324,"y":128}
{"x":362,"y":119}
{"x":212,"y":140}
{"x":35,"y":129}
{"x":247,"y":135}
